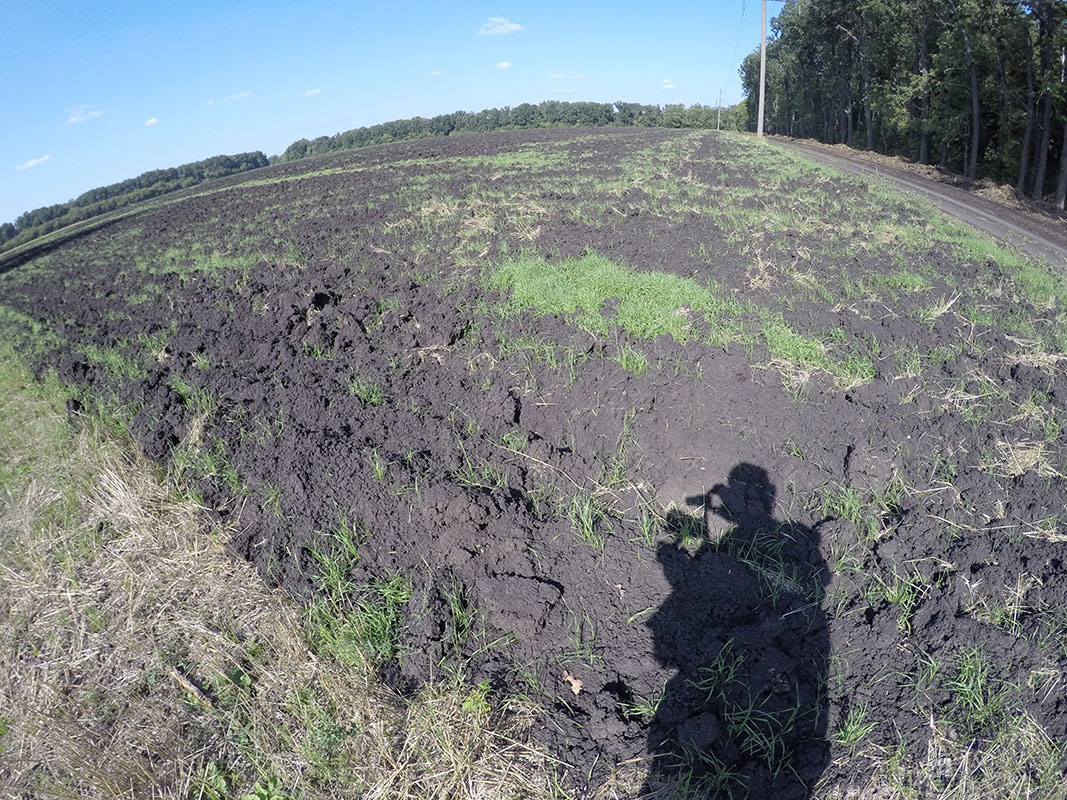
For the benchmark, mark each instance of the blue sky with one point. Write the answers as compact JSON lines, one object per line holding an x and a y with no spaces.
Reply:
{"x":92,"y":93}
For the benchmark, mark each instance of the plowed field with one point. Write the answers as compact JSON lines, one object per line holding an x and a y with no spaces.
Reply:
{"x":729,"y":466}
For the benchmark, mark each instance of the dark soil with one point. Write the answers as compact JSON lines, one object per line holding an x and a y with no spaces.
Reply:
{"x":755,"y":609}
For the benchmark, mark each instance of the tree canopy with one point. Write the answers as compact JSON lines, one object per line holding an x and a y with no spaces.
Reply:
{"x":975,"y":86}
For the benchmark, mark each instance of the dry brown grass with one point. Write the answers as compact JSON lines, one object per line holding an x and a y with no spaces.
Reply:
{"x":1011,"y":459}
{"x":1019,"y":762}
{"x":137,"y":659}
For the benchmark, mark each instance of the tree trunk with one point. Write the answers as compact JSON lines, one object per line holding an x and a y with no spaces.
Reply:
{"x":1028,"y":128}
{"x":976,"y":128}
{"x":1042,"y":151}
{"x":924,"y":117}
{"x":1045,"y":38}
{"x":1002,"y":109}
{"x":865,"y":72}
{"x":1061,"y":184}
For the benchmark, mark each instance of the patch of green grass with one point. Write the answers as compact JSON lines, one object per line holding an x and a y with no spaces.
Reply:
{"x":642,"y":708}
{"x":532,"y":157}
{"x":854,"y":728}
{"x":368,"y":392}
{"x":271,"y":502}
{"x":114,"y":359}
{"x":906,"y":592}
{"x":477,"y":473}
{"x":614,"y":471}
{"x":808,"y":352}
{"x":720,"y":674}
{"x":339,"y":554}
{"x":361,"y":629}
{"x":652,"y":304}
{"x":589,"y":519}
{"x":903,"y":278}
{"x":979,"y":699}
{"x":870,"y":512}
{"x":631,"y":359}
{"x":33,"y":336}
{"x":462,"y":613}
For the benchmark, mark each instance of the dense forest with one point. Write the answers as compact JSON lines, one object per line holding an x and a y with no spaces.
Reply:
{"x":978,"y":87}
{"x":44,"y":220}
{"x":551,"y":113}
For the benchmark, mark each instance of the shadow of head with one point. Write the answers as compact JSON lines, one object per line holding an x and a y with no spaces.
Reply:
{"x":747,"y":497}
{"x":737,"y":519}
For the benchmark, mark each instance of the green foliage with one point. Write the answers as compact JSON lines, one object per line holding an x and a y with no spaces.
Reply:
{"x":652,"y":303}
{"x":631,"y":359}
{"x":213,"y":782}
{"x":271,"y":789}
{"x":589,"y":519}
{"x":854,"y":728}
{"x":368,"y":392}
{"x":979,"y":700}
{"x":36,"y":223}
{"x":902,"y":78}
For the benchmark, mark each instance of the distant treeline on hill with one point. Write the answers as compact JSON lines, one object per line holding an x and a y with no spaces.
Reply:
{"x":549,"y":114}
{"x":109,"y":198}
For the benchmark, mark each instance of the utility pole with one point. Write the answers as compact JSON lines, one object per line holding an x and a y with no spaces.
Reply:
{"x":762,"y":70}
{"x":718,"y":110}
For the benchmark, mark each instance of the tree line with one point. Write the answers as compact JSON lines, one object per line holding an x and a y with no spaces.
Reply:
{"x":978,"y":87}
{"x":549,"y":114}
{"x":40,"y":221}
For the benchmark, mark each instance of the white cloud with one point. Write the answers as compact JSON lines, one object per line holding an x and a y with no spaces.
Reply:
{"x":150,"y":122}
{"x":210,"y":102}
{"x":563,"y":91}
{"x":577,"y":77}
{"x":83,"y":114}
{"x":434,"y":73}
{"x":556,"y":76}
{"x":310,"y":93}
{"x":503,"y":65}
{"x":497,"y":26}
{"x":33,"y":162}
{"x":668,"y":83}
{"x":239,"y":96}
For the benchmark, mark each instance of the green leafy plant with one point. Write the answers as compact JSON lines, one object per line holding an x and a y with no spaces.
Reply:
{"x":269,"y":790}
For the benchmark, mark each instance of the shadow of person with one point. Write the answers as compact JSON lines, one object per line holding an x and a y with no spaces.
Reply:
{"x":745,"y":713}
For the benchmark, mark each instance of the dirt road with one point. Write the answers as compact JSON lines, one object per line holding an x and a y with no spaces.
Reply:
{"x":1030,"y":233}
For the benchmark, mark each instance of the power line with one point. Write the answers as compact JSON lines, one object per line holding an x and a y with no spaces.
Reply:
{"x":740,"y":25}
